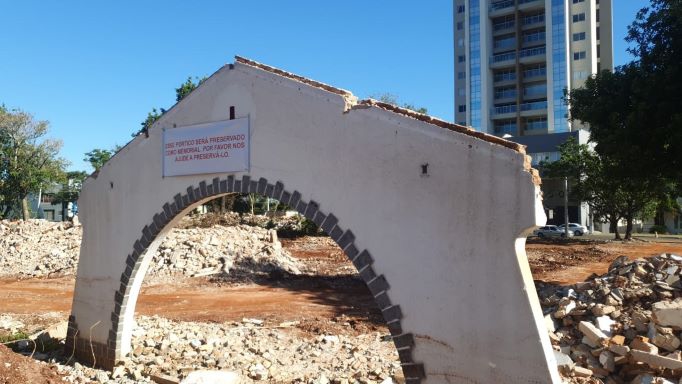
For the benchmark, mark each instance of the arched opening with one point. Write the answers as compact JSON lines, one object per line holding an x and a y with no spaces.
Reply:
{"x":138,"y":262}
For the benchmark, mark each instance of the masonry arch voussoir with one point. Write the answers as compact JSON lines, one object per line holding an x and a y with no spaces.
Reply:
{"x":378,"y":285}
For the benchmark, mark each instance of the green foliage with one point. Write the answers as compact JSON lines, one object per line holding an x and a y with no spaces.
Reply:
{"x":28,"y":161}
{"x":180,"y":93}
{"x":392,"y":99}
{"x":14,"y":337}
{"x":97,"y":157}
{"x":187,"y":87}
{"x":656,"y":42}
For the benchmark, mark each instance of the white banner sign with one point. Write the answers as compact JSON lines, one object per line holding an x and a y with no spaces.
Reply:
{"x":220,"y":147}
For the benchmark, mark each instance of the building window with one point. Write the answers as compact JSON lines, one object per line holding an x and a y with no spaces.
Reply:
{"x":462,"y":108}
{"x":534,"y":123}
{"x":46,"y":198}
{"x":578,"y":1}
{"x":505,"y":127}
{"x":461,"y":75}
{"x":538,"y":17}
{"x":461,"y":92}
{"x":460,"y":9}
{"x":579,"y":55}
{"x":461,"y":58}
{"x":534,"y":90}
{"x":460,"y":42}
{"x":597,"y":33}
{"x":580,"y":75}
{"x":504,"y":42}
{"x":505,"y":75}
{"x":598,"y":51}
{"x":579,"y":17}
{"x":579,"y":36}
{"x":597,"y":15}
{"x":460,"y":25}
{"x":535,"y":71}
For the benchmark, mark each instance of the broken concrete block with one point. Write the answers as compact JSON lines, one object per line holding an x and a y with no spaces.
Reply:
{"x":604,"y":324}
{"x":563,"y":361}
{"x":621,"y":350}
{"x":668,"y":342}
{"x":205,"y":377}
{"x":641,"y":343}
{"x":592,"y":333}
{"x":654,"y":360}
{"x":607,"y":361}
{"x":601,"y":310}
{"x":582,"y":372}
{"x":668,"y":313}
{"x":618,"y":340}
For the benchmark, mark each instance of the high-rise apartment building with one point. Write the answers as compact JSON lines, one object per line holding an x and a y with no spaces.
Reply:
{"x":515,"y":58}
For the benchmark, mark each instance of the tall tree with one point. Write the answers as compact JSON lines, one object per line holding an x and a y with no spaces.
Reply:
{"x":656,"y":43}
{"x":97,"y":157}
{"x":28,"y":161}
{"x":611,"y":103}
{"x":180,"y":93}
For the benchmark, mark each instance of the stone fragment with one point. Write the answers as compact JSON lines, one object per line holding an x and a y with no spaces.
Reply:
{"x":211,"y":377}
{"x":654,"y":360}
{"x":581,"y":372}
{"x":592,"y":333}
{"x":668,"y":313}
{"x":641,"y":343}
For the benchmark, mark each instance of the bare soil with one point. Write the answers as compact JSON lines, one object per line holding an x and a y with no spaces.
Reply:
{"x":15,"y":368}
{"x":568,"y":262}
{"x":326,"y":297}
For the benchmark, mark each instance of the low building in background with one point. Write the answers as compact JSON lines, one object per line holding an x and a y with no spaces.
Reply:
{"x":545,"y":148}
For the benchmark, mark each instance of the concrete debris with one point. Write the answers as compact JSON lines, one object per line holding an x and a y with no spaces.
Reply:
{"x":40,"y":248}
{"x":249,"y":354}
{"x":622,"y":327}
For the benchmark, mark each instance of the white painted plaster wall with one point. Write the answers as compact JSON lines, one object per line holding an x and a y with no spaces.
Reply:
{"x":450,"y":244}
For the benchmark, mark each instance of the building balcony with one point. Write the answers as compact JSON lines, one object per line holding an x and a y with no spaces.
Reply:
{"x":532,"y":55}
{"x":501,"y":8}
{"x":504,"y":112}
{"x":502,"y":81}
{"x":502,"y":60}
{"x":508,"y":97}
{"x":529,"y":5}
{"x":504,"y":28}
{"x":534,"y":108}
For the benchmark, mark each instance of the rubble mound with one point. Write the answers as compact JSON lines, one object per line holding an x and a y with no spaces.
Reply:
{"x":622,"y":327}
{"x":237,"y":252}
{"x":39,"y":248}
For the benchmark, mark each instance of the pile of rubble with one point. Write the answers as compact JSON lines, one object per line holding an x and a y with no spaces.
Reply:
{"x":253,"y":350}
{"x":237,"y":252}
{"x":37,"y":248}
{"x":621,"y":327}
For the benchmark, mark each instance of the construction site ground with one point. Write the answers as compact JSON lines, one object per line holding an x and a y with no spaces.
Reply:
{"x":315,"y":301}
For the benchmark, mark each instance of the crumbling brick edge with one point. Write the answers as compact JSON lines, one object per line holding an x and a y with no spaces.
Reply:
{"x":106,"y":356}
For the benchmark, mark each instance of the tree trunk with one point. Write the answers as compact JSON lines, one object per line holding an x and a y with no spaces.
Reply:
{"x":628,"y":227}
{"x":613,"y":226}
{"x":25,"y":214}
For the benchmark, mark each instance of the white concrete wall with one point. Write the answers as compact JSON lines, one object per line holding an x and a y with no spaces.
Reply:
{"x":450,"y":244}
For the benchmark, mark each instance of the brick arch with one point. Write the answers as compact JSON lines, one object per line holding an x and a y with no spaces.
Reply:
{"x":108,"y":355}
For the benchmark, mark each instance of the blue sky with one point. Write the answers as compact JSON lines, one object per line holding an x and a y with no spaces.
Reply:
{"x":95,"y":69}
